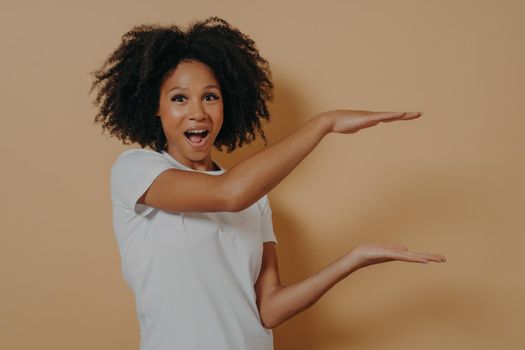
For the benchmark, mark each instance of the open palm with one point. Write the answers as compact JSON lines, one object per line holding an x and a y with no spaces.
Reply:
{"x":350,"y":121}
{"x":369,"y":254}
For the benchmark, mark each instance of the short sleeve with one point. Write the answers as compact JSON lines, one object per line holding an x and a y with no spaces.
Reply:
{"x":268,"y":235}
{"x":132,"y":174}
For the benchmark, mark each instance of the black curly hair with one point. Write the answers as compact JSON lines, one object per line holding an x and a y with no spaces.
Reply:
{"x":129,"y":81}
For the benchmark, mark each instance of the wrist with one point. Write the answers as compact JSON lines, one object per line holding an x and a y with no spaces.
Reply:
{"x":348,"y":263}
{"x":324,"y":122}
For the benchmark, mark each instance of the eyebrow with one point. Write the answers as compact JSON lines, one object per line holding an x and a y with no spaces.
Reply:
{"x":183,"y":88}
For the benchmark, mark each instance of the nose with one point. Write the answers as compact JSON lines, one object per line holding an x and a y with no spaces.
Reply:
{"x":196,"y":111}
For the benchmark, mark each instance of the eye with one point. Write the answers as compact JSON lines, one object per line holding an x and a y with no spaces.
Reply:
{"x":178,"y":98}
{"x":213,"y":97}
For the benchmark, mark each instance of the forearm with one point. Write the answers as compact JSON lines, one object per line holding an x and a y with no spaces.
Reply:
{"x":287,"y":301}
{"x":256,"y":175}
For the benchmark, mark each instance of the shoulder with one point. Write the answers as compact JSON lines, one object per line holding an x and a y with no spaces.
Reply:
{"x":138,"y":163}
{"x":139,"y":156}
{"x":137,"y":153}
{"x":133,"y":172}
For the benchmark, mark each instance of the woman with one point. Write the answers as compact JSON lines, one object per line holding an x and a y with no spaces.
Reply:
{"x":196,"y":240}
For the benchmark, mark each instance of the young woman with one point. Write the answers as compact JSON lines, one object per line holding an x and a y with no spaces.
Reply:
{"x":196,"y":240}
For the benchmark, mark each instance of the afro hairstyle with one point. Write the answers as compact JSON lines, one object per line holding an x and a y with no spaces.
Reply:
{"x":129,"y":81}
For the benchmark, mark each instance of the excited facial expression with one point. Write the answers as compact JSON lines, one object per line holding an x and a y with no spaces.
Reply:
{"x":191,"y":112}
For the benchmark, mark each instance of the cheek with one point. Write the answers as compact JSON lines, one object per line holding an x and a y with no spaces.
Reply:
{"x":176,"y":112}
{"x":216,"y":114}
{"x":174,"y":117}
{"x":172,"y":123}
{"x":219,"y":120}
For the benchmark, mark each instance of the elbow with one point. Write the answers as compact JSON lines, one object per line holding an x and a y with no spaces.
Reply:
{"x":232,"y":205}
{"x":268,"y":323}
{"x":234,"y":199}
{"x":240,"y":203}
{"x":270,"y":318}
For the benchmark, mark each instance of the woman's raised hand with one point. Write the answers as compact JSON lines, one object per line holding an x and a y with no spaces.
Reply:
{"x":350,"y":121}
{"x":369,"y":254}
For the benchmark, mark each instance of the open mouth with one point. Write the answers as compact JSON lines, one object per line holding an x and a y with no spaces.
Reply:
{"x":197,"y":138}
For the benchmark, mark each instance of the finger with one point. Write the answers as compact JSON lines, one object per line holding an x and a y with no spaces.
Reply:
{"x":430,"y":257}
{"x":385,"y":116}
{"x":438,"y":258}
{"x":406,"y":116}
{"x":412,"y":115}
{"x":405,"y":256}
{"x":377,"y":117}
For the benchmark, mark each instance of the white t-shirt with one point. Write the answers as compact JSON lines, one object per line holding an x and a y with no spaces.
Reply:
{"x":192,"y":273}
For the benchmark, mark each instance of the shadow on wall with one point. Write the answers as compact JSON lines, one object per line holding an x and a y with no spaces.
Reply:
{"x":453,"y":306}
{"x":423,"y":199}
{"x":285,"y":117}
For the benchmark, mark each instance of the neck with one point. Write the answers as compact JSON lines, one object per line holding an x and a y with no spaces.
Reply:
{"x":205,"y":164}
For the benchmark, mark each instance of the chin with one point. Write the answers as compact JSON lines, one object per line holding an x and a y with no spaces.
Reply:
{"x":196,"y":155}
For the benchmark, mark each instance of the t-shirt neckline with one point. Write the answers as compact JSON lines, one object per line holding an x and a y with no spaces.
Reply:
{"x":173,"y":160}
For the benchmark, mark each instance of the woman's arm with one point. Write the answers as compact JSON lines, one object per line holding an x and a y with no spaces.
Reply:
{"x":245,"y":183}
{"x":255,"y":176}
{"x":278,"y":303}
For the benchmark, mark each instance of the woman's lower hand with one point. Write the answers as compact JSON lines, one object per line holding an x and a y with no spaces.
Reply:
{"x":345,"y":121}
{"x":370,"y":254}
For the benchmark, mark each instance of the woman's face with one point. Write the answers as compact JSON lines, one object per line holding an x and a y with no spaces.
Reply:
{"x":191,"y":100}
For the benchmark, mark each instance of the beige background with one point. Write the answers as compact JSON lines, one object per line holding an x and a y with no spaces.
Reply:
{"x":450,"y":182}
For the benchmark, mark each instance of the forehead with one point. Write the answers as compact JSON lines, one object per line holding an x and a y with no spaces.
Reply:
{"x":190,"y":74}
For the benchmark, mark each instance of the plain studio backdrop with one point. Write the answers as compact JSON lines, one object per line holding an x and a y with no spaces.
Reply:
{"x":450,"y":182}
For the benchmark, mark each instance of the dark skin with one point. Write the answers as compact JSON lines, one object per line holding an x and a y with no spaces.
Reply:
{"x":277,"y":303}
{"x":191,"y":97}
{"x":197,"y":102}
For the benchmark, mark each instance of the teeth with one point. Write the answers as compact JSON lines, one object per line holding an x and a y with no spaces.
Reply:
{"x":196,"y":131}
